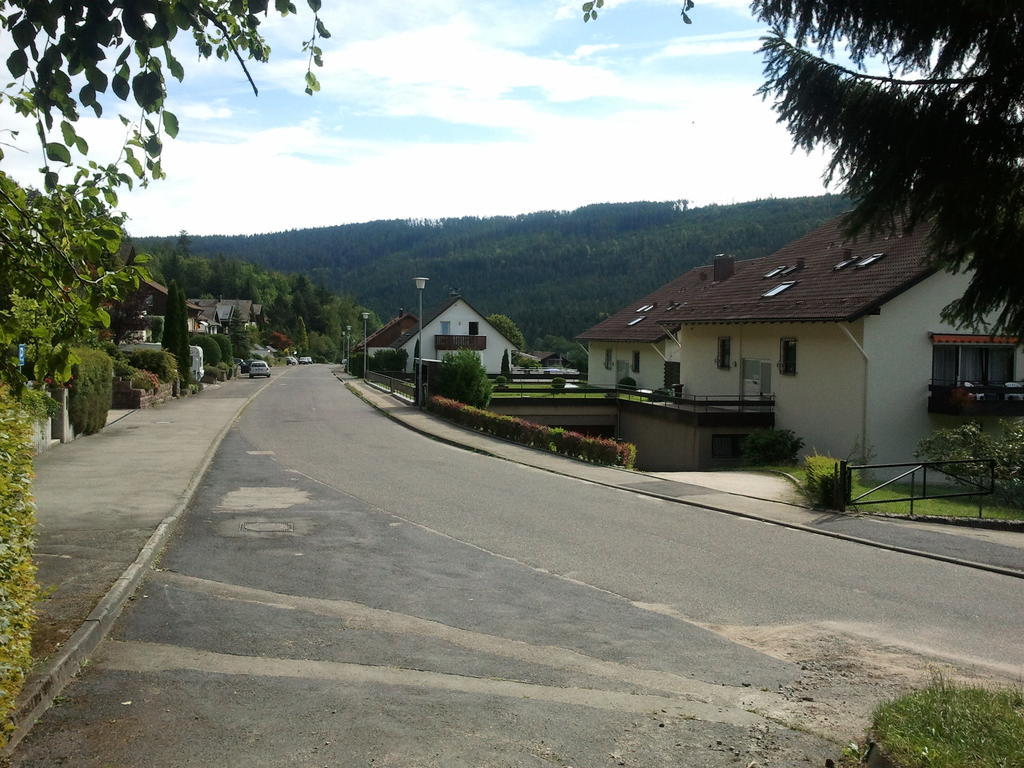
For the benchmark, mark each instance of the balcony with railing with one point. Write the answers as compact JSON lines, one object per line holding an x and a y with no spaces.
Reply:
{"x":447,"y":342}
{"x":968,"y":398}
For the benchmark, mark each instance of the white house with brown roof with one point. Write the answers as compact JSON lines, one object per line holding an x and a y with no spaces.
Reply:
{"x":844,"y":337}
{"x":453,"y":326}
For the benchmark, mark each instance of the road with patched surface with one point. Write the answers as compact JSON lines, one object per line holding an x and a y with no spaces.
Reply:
{"x":344,"y":592}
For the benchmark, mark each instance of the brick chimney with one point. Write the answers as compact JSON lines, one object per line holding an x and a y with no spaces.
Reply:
{"x":724,"y":267}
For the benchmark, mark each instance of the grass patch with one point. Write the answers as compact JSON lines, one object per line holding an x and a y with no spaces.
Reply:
{"x":964,"y":506}
{"x":947,"y":725}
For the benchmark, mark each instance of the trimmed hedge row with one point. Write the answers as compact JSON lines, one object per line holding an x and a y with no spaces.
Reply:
{"x":596,"y":449}
{"x":18,"y":590}
{"x":90,"y":391}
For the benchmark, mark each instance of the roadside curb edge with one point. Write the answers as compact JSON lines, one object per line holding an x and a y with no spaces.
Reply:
{"x":689,"y":502}
{"x":47,"y":683}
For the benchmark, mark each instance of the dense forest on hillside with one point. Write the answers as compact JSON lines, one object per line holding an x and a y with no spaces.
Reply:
{"x":552,"y":272}
{"x":311,"y":316}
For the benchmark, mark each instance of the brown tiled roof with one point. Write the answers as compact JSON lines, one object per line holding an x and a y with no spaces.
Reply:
{"x":390,"y":331}
{"x":820,"y":292}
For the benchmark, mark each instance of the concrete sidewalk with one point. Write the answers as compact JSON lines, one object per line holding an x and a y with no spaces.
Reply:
{"x":749,"y":495}
{"x":106,"y":504}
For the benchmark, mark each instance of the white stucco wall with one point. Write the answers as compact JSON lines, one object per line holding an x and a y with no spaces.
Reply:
{"x":900,"y":352}
{"x":822,"y":402}
{"x":652,"y":362}
{"x":460,"y":314}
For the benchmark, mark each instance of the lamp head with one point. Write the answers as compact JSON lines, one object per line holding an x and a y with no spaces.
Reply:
{"x":421,"y":282}
{"x":366,"y":315}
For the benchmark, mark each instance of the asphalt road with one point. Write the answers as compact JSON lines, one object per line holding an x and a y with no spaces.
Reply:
{"x":346,"y":592}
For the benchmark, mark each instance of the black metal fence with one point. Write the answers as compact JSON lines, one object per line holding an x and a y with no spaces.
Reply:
{"x":978,"y":476}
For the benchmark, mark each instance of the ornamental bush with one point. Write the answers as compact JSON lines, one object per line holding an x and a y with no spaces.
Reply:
{"x":90,"y":392}
{"x":227,"y":353}
{"x":462,"y":377}
{"x":627,"y":382}
{"x":159,"y":361}
{"x":209,"y":345}
{"x":821,"y":479}
{"x":147,"y":380}
{"x":771,"y":446}
{"x":18,"y":590}
{"x":599,"y":450}
{"x":970,"y":441}
{"x":558,"y":383}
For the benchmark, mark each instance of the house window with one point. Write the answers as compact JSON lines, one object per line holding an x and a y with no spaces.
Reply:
{"x":787,"y":356}
{"x":724,"y":359}
{"x":474,"y":328}
{"x":636,"y":361}
{"x":446,"y":327}
{"x":608,"y":359}
{"x":954,"y":364}
{"x":727,"y":446}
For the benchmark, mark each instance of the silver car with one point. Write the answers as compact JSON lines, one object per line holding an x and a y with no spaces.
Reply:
{"x":258,"y":368}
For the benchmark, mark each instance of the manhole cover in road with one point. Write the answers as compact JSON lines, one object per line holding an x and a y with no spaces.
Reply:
{"x":257,"y":526}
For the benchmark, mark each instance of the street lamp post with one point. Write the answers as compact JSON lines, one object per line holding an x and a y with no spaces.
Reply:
{"x":421,"y":283}
{"x":348,"y":347}
{"x":366,"y":315}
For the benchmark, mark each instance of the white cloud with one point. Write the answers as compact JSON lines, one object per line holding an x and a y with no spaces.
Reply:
{"x":202,"y":111}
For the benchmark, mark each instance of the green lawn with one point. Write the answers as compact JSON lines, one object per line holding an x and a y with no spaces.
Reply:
{"x":964,"y":506}
{"x":947,"y":725}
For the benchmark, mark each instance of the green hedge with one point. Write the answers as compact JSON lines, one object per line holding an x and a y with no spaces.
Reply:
{"x":599,"y":450}
{"x":159,"y":361}
{"x":209,"y":345}
{"x":18,"y":590}
{"x":90,"y":390}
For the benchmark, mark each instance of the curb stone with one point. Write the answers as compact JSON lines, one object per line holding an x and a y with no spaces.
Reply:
{"x":1016,"y":574}
{"x":46,"y":683}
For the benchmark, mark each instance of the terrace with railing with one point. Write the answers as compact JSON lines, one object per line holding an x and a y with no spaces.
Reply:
{"x":958,"y":398}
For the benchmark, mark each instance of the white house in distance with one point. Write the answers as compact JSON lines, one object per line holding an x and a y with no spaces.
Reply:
{"x":457,"y":325}
{"x":844,"y":336}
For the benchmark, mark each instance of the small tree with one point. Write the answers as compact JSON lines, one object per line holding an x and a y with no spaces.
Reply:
{"x":506,"y":369}
{"x":156,"y":328}
{"x":209,"y":345}
{"x":239,"y":336}
{"x":462,"y":377}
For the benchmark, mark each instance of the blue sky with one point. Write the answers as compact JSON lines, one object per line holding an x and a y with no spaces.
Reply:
{"x":450,"y":107}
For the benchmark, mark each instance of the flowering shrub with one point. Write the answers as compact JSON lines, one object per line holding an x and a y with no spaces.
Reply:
{"x":599,"y":450}
{"x":146,"y":380}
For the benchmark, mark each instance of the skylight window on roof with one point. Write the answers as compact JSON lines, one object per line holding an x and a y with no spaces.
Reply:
{"x":789,"y":270}
{"x":635,"y":320}
{"x":644,"y":308}
{"x":776,"y":271}
{"x":779,"y":289}
{"x":844,"y":263}
{"x":869,"y":260}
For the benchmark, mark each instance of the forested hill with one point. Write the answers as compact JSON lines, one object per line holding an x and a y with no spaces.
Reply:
{"x":552,"y":272}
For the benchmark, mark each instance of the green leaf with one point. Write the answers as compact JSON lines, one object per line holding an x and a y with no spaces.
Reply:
{"x":68,"y":132}
{"x":170,"y":124}
{"x":17,"y":63}
{"x":96,"y":78}
{"x":686,"y":18}
{"x":257,"y":6}
{"x":58,"y":152}
{"x":120,"y":86}
{"x":133,"y":162}
{"x":314,"y":5}
{"x":50,"y":181}
{"x":321,"y":29}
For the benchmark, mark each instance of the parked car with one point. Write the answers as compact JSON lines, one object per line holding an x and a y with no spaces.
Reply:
{"x":291,"y":360}
{"x":305,"y":361}
{"x":258,"y":368}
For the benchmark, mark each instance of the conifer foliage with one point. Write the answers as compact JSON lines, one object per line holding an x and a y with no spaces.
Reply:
{"x":926,"y":126}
